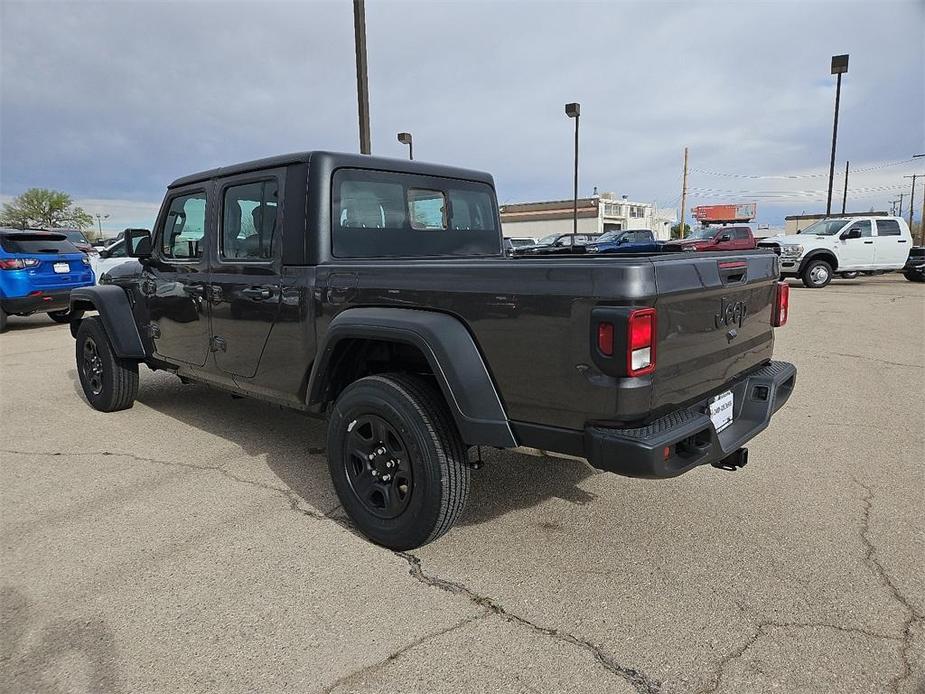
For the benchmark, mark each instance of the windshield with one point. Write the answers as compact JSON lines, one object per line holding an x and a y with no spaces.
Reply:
{"x":825,"y":227}
{"x":610,"y":236}
{"x":73,"y":235}
{"x":701,"y":234}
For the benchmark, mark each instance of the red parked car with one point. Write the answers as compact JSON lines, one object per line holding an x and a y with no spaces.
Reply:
{"x":731,"y":238}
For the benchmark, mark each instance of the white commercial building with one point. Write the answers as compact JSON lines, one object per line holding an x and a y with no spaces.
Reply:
{"x":596,"y":215}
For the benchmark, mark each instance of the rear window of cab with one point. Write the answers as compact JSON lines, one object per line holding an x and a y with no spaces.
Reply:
{"x":378,"y":214}
{"x":36,"y":244}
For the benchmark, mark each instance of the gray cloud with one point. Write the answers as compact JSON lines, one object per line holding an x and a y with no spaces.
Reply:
{"x":114,"y":100}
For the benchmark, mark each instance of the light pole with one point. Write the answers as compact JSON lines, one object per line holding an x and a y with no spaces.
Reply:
{"x":359,"y":35}
{"x":99,"y":222}
{"x":839,"y":67}
{"x":574,"y":111}
{"x":922,"y":220}
{"x":405,"y":139}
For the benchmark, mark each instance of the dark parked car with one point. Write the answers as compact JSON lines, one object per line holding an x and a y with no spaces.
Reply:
{"x":731,"y":238}
{"x":375,"y":292}
{"x":38,"y":270}
{"x":557,"y":244}
{"x":626,"y":241}
{"x":76,"y":236}
{"x":914,"y":270}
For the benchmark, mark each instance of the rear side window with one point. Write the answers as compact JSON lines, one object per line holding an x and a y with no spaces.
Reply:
{"x":249,"y":220}
{"x":382,"y":214}
{"x":742,"y":234}
{"x":185,"y":227}
{"x":36,"y":243}
{"x":888,"y":227}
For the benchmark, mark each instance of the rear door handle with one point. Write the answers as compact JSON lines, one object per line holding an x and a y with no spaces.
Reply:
{"x":257,"y":292}
{"x":901,"y":241}
{"x":868,"y":242}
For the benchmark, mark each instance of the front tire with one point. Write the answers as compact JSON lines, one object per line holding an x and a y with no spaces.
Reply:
{"x":816,"y":274}
{"x":65,"y":316}
{"x":2,"y":320}
{"x":914,"y":276}
{"x":396,"y":459}
{"x":109,"y":382}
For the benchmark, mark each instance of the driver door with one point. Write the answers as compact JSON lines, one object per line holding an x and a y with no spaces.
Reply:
{"x":856,"y":254}
{"x":175,"y":278}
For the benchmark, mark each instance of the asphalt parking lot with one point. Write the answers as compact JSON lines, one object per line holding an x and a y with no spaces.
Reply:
{"x":194,"y":543}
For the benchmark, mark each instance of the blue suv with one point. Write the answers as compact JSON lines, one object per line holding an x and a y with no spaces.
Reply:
{"x":624,"y":241}
{"x":38,"y":270}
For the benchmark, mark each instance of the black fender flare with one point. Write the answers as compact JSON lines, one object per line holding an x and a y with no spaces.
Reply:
{"x":451,"y":353}
{"x":814,"y":254}
{"x":112,"y":303}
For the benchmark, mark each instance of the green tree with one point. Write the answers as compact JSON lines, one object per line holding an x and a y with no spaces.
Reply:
{"x":44,"y":209}
{"x":676,"y":230}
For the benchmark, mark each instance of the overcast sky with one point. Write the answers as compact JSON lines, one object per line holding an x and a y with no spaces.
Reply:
{"x":111,"y":101}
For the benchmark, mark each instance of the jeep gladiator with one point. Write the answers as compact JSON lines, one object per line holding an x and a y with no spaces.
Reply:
{"x":376,"y":293}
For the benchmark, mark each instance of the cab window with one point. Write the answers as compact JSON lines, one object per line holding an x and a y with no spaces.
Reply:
{"x":184,"y":228}
{"x":888,"y":227}
{"x":249,"y":213}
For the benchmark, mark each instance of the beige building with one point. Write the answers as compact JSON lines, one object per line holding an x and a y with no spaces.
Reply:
{"x":596,"y":215}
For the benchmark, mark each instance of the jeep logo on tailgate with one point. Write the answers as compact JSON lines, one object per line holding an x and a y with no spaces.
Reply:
{"x":730,"y":313}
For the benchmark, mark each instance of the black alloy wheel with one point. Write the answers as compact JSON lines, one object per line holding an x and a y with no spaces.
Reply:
{"x":377,"y":466}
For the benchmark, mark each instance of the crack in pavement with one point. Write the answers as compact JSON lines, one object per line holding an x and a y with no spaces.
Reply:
{"x":637,"y":679}
{"x":356,"y":674}
{"x":871,"y":559}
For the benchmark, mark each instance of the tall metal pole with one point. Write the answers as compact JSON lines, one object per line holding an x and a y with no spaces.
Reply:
{"x":575,"y":189}
{"x":683,"y":198}
{"x":844,"y":197}
{"x":912,"y":198}
{"x":900,"y":213}
{"x":828,"y":204}
{"x":359,"y":31}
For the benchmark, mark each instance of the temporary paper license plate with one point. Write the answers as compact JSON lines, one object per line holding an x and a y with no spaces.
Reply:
{"x":62,"y":267}
{"x":721,"y":410}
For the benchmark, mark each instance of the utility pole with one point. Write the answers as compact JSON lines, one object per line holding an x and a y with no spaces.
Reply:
{"x":359,"y":33}
{"x":683,"y":198}
{"x":900,"y":213}
{"x":912,"y":197}
{"x":844,"y":197}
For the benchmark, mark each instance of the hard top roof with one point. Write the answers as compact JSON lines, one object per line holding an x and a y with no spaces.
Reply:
{"x":335,"y":160}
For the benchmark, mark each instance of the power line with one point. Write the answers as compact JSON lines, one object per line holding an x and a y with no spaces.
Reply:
{"x":821,"y":174}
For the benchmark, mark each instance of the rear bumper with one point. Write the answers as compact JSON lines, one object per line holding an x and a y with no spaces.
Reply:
{"x":688,"y":434}
{"x":57,"y":300}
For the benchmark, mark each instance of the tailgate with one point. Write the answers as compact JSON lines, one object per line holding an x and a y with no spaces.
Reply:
{"x":714,"y":321}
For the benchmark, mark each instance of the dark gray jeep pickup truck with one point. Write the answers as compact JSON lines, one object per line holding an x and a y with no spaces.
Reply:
{"x":376,"y":293}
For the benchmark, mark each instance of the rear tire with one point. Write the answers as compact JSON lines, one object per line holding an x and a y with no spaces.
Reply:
{"x":913,"y":276}
{"x":2,"y":320}
{"x":848,"y":275}
{"x":396,"y":459}
{"x":816,"y":274}
{"x":65,"y":316}
{"x":109,"y":382}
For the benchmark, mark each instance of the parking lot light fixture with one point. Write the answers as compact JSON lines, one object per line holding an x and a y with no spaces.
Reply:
{"x":405,"y":139}
{"x":573,"y":110}
{"x":839,"y":68}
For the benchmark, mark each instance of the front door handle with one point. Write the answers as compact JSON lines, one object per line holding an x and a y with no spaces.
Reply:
{"x":257,"y":292}
{"x":868,"y":242}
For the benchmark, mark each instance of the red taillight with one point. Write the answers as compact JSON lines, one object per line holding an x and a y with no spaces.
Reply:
{"x":17,"y":263}
{"x":605,"y":338}
{"x":640,"y":342}
{"x":781,"y":309}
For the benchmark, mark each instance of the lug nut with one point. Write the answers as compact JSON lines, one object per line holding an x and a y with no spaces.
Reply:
{"x":375,"y":473}
{"x":371,"y":456}
{"x":391,"y":463}
{"x":386,"y":478}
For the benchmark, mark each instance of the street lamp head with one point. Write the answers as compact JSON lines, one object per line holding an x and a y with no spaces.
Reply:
{"x":839,"y":64}
{"x":573,"y":110}
{"x":404,"y":138}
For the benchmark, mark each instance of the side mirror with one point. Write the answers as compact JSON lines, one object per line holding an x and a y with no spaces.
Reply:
{"x":852,"y":233}
{"x":104,"y":253}
{"x":725,"y":237}
{"x":137,"y":243}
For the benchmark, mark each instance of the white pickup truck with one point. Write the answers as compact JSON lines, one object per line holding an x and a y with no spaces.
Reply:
{"x":844,"y":246}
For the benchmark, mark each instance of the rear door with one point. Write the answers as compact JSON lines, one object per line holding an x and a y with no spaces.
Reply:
{"x":174,"y":281}
{"x":245,"y":280}
{"x":892,"y":245}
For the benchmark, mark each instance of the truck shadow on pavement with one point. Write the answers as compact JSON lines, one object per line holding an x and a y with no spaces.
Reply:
{"x":294,"y":448}
{"x":28,"y":654}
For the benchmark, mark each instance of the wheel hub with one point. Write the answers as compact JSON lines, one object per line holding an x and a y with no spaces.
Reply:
{"x":377,"y":466}
{"x":92,"y":366}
